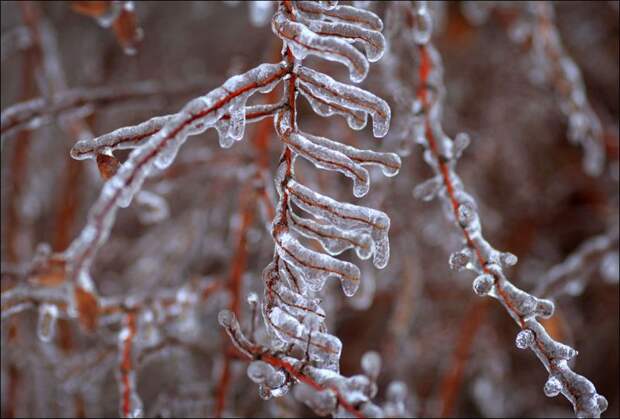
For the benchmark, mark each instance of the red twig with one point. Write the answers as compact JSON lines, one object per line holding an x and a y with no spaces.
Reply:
{"x":452,"y":381}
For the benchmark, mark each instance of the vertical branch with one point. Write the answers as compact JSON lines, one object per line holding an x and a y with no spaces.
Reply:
{"x":130,"y":404}
{"x":478,"y":255}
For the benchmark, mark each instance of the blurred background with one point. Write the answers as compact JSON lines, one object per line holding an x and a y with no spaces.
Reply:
{"x":454,"y":350}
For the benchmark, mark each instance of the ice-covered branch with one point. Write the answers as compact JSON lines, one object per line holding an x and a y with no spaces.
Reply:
{"x":441,"y":154}
{"x":292,"y":314}
{"x":159,"y":151}
{"x":597,"y":253}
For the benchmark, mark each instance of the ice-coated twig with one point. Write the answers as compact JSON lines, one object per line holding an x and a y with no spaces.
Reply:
{"x":535,"y":27}
{"x":161,"y":149}
{"x":322,"y":389}
{"x":37,"y":112}
{"x":570,"y":275}
{"x":292,"y":314}
{"x":137,"y":135}
{"x":441,"y":154}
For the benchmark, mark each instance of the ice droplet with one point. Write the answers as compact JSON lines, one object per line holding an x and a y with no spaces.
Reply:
{"x":423,"y":27}
{"x":349,"y":286}
{"x":253,"y":299}
{"x":602,"y":403}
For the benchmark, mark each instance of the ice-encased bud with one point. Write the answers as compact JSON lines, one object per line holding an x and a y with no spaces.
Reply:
{"x":483,"y":284}
{"x":602,"y":403}
{"x":371,"y":364}
{"x":544,"y":308}
{"x":466,"y":214}
{"x":508,"y":259}
{"x":397,"y":391}
{"x":525,"y":338}
{"x":553,"y":386}
{"x":423,"y":25}
{"x":459,"y":260}
{"x":253,"y":299}
{"x":461,"y":142}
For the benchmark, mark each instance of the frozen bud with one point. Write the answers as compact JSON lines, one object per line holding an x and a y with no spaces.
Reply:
{"x":459,"y":260}
{"x":253,"y":299}
{"x":397,"y":391}
{"x":483,"y":284}
{"x":423,"y":26}
{"x":46,"y":326}
{"x":371,"y":364}
{"x":466,"y":214}
{"x":553,"y":386}
{"x":427,"y":190}
{"x":610,"y":268}
{"x":601,"y":403}
{"x":258,"y":371}
{"x":461,"y":142}
{"x":42,"y":252}
{"x":508,"y":259}
{"x":544,"y":308}
{"x":524,"y":339}
{"x":226,"y":318}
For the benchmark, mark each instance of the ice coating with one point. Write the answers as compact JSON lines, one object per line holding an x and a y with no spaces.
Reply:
{"x":342,"y":13}
{"x":346,"y":216}
{"x":316,"y":267}
{"x":303,"y":42}
{"x":160,"y":150}
{"x":330,"y":159}
{"x":478,"y":255}
{"x":372,"y":41}
{"x":343,"y":95}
